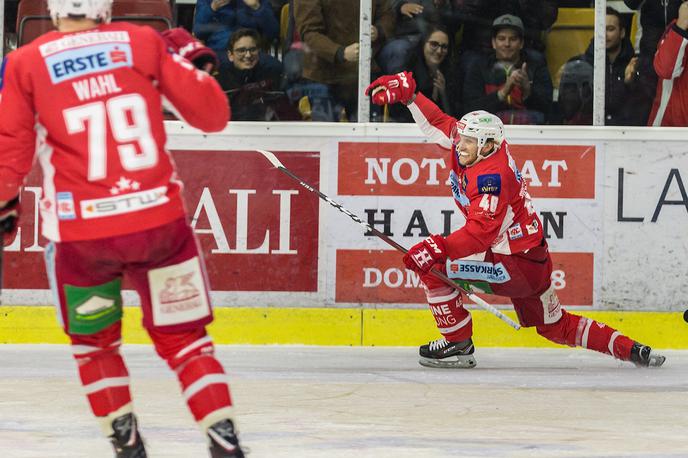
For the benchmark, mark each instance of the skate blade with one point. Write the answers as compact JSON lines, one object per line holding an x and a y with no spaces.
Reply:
{"x":452,"y":362}
{"x":656,"y":360}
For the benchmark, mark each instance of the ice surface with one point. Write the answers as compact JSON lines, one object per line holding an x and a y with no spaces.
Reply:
{"x":306,"y":402}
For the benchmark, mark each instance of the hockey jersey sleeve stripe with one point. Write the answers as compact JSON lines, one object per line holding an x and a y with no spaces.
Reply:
{"x":432,"y":121}
{"x":667,"y":88}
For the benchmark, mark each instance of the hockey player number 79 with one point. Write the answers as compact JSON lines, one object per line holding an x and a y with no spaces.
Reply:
{"x":129,"y":124}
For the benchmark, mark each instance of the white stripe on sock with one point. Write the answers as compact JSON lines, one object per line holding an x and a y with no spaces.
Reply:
{"x":109,"y":382}
{"x":203,"y":382}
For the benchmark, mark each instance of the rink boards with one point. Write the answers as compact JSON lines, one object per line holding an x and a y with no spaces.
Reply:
{"x":286,"y":267}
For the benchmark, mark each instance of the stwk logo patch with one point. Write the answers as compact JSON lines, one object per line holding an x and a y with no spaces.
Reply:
{"x":490,"y":184}
{"x":79,"y":62}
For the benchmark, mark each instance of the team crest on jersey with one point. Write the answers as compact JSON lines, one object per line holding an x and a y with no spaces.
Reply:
{"x":65,"y":206}
{"x":80,"y":62}
{"x":458,"y":192}
{"x":515,"y":232}
{"x":490,"y":184}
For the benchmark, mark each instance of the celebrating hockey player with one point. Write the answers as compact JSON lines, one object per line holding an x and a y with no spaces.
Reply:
{"x":501,"y":248}
{"x":87,"y":100}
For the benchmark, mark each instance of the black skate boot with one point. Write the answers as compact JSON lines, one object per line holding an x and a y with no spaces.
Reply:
{"x":440,"y":353}
{"x":223,"y":440}
{"x":127,"y":440}
{"x":643,"y":356}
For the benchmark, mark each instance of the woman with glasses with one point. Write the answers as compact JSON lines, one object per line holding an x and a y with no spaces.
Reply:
{"x":432,"y":70}
{"x":414,"y":19}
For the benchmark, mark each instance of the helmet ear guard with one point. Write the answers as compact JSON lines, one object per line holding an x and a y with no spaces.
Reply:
{"x":98,"y":10}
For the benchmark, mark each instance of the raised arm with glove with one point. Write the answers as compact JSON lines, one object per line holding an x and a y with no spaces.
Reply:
{"x":181,"y":42}
{"x":400,"y":87}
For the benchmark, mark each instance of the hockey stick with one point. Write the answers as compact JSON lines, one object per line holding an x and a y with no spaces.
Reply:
{"x":480,"y":302}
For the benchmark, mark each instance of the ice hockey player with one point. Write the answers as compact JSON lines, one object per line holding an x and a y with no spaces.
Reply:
{"x":500,"y":249}
{"x":87,"y":100}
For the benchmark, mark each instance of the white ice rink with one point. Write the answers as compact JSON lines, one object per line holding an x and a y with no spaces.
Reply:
{"x":307,"y":402}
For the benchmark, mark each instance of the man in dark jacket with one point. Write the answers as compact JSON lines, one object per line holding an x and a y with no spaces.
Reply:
{"x":619,"y":90}
{"x":510,"y":82}
{"x":253,"y":81}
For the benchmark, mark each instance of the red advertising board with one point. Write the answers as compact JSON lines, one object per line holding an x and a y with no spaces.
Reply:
{"x":378,"y":276}
{"x":258,"y":228}
{"x":421,"y":169}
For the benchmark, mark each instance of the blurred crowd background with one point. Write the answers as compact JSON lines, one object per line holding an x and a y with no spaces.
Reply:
{"x":528,"y":61}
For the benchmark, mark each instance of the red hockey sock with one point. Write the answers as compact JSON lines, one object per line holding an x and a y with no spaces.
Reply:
{"x":579,"y":331}
{"x":102,"y":370}
{"x":203,"y":381}
{"x":453,"y":321}
{"x":205,"y":386}
{"x":105,"y":379}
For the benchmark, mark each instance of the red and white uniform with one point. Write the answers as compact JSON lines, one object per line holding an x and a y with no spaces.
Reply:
{"x":670,"y":107}
{"x":89,"y":105}
{"x":501,"y":250}
{"x":491,"y":194}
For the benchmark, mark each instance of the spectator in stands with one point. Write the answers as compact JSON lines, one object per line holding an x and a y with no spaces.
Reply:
{"x":432,"y":70}
{"x":215,"y":20}
{"x":478,"y":15}
{"x":252,"y":85}
{"x":413,"y":20}
{"x":619,"y":104}
{"x":575,"y":93}
{"x":329,"y":30}
{"x":670,"y":107}
{"x":655,"y":16}
{"x":509,"y":82}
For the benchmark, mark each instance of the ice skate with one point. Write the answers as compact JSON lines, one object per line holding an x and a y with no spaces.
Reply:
{"x":126,"y":440}
{"x":440,"y":353}
{"x":223,"y":440}
{"x":643,"y":356}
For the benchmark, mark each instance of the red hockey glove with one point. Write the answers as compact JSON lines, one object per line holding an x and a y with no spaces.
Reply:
{"x":9,"y":215}
{"x":181,"y":42}
{"x":392,"y":89}
{"x":422,"y":256}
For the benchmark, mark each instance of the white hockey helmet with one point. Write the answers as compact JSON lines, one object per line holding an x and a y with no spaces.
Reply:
{"x":481,"y":125}
{"x":99,"y":10}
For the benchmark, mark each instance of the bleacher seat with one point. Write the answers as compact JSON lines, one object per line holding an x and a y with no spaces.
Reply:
{"x":33,"y":18}
{"x":569,"y":36}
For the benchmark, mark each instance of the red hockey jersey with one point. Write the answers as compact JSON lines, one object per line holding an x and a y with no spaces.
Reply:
{"x":670,"y":107}
{"x":491,"y":194}
{"x":89,"y":106}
